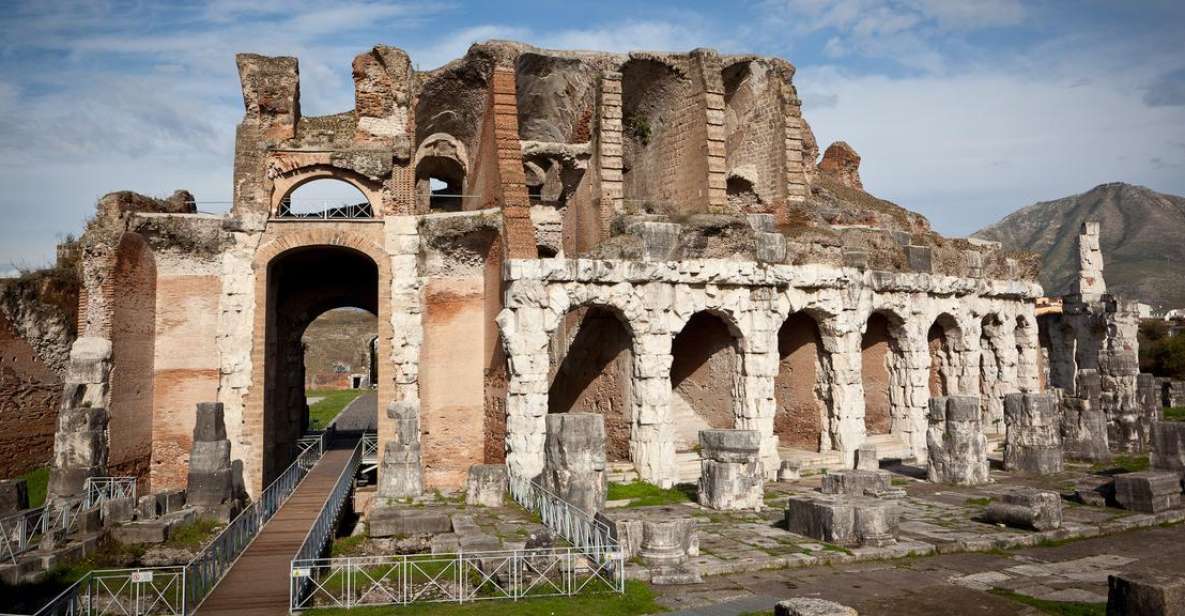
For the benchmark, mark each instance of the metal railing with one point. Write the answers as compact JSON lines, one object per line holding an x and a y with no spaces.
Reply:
{"x":321,"y":532}
{"x":575,"y":525}
{"x":370,"y":451}
{"x":454,"y":578}
{"x":99,"y":489}
{"x":349,"y":211}
{"x":22,"y":531}
{"x":134,"y":592}
{"x":176,"y":591}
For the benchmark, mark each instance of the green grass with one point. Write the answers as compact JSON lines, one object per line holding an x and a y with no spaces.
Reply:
{"x":346,"y":546}
{"x":1122,"y":464}
{"x":332,"y":403}
{"x":38,"y":481}
{"x":649,"y":495}
{"x":193,"y":535}
{"x":1174,"y":413}
{"x":638,"y":599}
{"x":978,"y":502}
{"x":1061,"y":608}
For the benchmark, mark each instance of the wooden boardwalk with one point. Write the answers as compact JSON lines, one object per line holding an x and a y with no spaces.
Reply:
{"x":257,"y":584}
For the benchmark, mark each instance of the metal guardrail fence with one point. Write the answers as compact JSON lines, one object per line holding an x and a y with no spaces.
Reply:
{"x":455,"y":578}
{"x":177,"y":591}
{"x":22,"y":531}
{"x":578,"y":527}
{"x":349,"y":211}
{"x":370,"y":451}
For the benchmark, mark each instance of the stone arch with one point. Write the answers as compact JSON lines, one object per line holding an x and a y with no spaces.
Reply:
{"x":287,"y":181}
{"x":705,"y":376}
{"x":591,"y":366}
{"x":883,"y":368}
{"x":942,"y":341}
{"x":133,"y":350}
{"x":802,"y":392}
{"x":261,"y":434}
{"x":443,"y":158}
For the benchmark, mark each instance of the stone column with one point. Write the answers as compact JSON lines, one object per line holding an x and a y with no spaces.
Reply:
{"x":210,"y":486}
{"x":526,"y":341}
{"x":1083,"y":429}
{"x":1033,"y":441}
{"x":958,"y":447}
{"x":759,"y":367}
{"x":400,"y":473}
{"x":575,"y":466}
{"x":652,"y":446}
{"x":913,"y":376}
{"x":847,"y":393}
{"x":1089,"y":284}
{"x":1168,"y":446}
{"x":731,"y":475}
{"x":80,"y":444}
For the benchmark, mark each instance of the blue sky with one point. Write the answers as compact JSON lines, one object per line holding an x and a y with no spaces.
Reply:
{"x":963,"y":110}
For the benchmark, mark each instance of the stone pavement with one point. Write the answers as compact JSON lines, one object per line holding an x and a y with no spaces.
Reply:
{"x":944,"y":584}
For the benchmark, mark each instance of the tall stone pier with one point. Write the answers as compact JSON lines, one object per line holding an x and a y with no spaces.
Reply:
{"x":958,"y":446}
{"x":574,"y":467}
{"x":400,"y":475}
{"x":211,"y":483}
{"x":80,"y":444}
{"x":1033,"y":441}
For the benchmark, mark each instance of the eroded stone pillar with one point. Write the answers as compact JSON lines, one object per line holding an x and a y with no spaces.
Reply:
{"x":526,"y":341}
{"x":958,"y":447}
{"x":210,"y":485}
{"x":847,"y":392}
{"x":400,"y":471}
{"x":80,"y":444}
{"x":575,"y":459}
{"x":652,"y":444}
{"x":731,"y":474}
{"x":759,"y":367}
{"x":1033,"y":441}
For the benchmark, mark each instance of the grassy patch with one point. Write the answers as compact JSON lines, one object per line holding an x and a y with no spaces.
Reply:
{"x":978,"y":502}
{"x":900,"y":482}
{"x":649,"y":495}
{"x":37,"y":481}
{"x":332,"y":402}
{"x":193,"y":535}
{"x":1122,"y":464}
{"x":346,"y":546}
{"x":638,"y":599}
{"x":1174,"y":413}
{"x":1061,"y":608}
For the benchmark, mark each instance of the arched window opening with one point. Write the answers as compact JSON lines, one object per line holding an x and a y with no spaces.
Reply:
{"x":440,"y":183}
{"x":325,"y":198}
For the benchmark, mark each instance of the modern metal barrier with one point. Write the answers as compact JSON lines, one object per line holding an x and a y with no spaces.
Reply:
{"x":22,"y":531}
{"x":575,"y":525}
{"x":370,"y":451}
{"x":99,"y":489}
{"x":454,"y":578}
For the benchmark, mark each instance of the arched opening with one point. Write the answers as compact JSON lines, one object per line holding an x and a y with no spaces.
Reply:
{"x":704,"y":372}
{"x":303,"y":284}
{"x":741,"y":194}
{"x":940,"y":341}
{"x":800,"y":393}
{"x":591,"y":366}
{"x":339,"y":350}
{"x":880,"y":361}
{"x":546,"y":252}
{"x":133,"y":350}
{"x":440,"y":183}
{"x":325,"y":198}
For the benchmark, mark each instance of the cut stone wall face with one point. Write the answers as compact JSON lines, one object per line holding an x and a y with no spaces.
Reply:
{"x":958,"y":447}
{"x":575,"y":468}
{"x":487,"y":485}
{"x":1168,"y":446}
{"x":400,"y":469}
{"x":1148,"y":491}
{"x":843,"y":520}
{"x":1141,"y":593}
{"x":1083,"y":430}
{"x":1033,"y":442}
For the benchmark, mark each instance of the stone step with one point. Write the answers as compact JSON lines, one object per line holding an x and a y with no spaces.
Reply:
{"x":812,"y":460}
{"x":621,"y":472}
{"x":889,"y":446}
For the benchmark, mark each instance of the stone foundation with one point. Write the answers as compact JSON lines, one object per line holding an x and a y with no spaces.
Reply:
{"x":1148,"y":491}
{"x":731,"y":477}
{"x":1033,"y":442}
{"x":843,"y":520}
{"x":958,"y":446}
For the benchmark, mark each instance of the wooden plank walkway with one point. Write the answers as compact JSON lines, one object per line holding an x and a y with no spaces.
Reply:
{"x":257,"y":584}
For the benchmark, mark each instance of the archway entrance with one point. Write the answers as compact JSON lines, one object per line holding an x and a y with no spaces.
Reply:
{"x":880,"y":364}
{"x":800,"y":395}
{"x":303,"y":283}
{"x":704,"y":371}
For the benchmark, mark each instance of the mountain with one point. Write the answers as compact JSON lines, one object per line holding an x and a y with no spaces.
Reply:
{"x":1142,"y":237}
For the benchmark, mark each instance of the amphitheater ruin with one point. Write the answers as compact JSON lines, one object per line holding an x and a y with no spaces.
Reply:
{"x":639,"y":255}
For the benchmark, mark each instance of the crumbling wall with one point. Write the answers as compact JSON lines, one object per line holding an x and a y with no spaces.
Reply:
{"x":591,"y":363}
{"x":754,"y":125}
{"x":133,"y":349}
{"x":656,"y":118}
{"x":29,"y":395}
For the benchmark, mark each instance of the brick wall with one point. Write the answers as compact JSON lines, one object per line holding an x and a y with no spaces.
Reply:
{"x":133,"y":333}
{"x":29,"y":395}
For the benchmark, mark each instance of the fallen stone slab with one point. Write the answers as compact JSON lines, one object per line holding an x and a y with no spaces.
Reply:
{"x":1145,"y":594}
{"x":1148,"y":491}
{"x":805,"y":606}
{"x":148,"y":531}
{"x":404,"y":521}
{"x":1026,"y":508}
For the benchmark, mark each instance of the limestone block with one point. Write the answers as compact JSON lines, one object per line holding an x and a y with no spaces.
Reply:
{"x":400,"y":471}
{"x":117,"y":510}
{"x":405,"y":521}
{"x":789,"y":471}
{"x":843,"y":520}
{"x":90,"y":361}
{"x":1026,"y":508}
{"x":1033,"y":439}
{"x":1145,"y":594}
{"x":14,"y":496}
{"x":148,"y":531}
{"x":860,"y":483}
{"x":730,"y":486}
{"x":956,"y":442}
{"x":90,"y":521}
{"x":209,"y":422}
{"x":1148,"y":491}
{"x":1095,"y":490}
{"x":1084,"y":430}
{"x":487,"y":485}
{"x":1168,"y":446}
{"x":146,"y":507}
{"x":663,"y":536}
{"x":574,"y":459}
{"x":866,"y":458}
{"x":730,"y":445}
{"x":804,"y":606}
{"x":210,"y":483}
